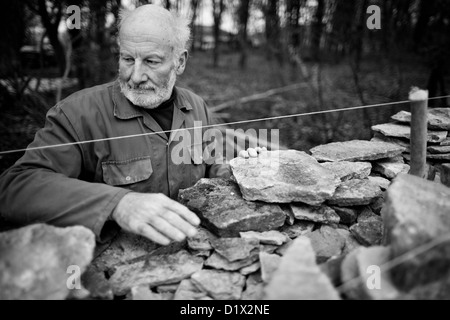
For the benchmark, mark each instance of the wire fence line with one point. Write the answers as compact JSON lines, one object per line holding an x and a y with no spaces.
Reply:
{"x":216,"y":125}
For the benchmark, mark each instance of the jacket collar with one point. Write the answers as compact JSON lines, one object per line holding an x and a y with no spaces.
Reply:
{"x":124,"y":109}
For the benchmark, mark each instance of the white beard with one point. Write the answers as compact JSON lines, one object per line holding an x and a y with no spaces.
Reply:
{"x":148,"y":96}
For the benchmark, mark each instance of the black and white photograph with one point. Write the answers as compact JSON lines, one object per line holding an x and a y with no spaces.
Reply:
{"x":228,"y":156}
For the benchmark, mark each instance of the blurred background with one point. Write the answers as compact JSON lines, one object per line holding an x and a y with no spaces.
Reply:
{"x":248,"y":59}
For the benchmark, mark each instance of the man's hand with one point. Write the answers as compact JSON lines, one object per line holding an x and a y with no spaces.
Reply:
{"x":156,"y":217}
{"x":251,"y":153}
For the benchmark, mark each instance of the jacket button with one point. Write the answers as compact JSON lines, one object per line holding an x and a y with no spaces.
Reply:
{"x":128,"y":178}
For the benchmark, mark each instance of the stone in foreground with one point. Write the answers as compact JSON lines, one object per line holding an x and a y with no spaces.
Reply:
{"x":402,"y":131}
{"x":35,"y":259}
{"x":355,"y":193}
{"x":221,"y":285}
{"x":222,"y":209}
{"x":416,"y":214}
{"x":358,"y":272}
{"x":283,"y":177}
{"x":438,"y":118}
{"x":327,"y":243}
{"x":269,"y":264}
{"x":157,"y":270}
{"x":356,"y":150}
{"x":298,"y":277}
{"x":346,"y":170}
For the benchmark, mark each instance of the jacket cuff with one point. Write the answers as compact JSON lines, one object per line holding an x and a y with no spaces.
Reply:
{"x":105,"y":230}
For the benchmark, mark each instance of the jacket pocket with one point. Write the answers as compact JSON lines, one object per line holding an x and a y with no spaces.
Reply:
{"x":125,"y":172}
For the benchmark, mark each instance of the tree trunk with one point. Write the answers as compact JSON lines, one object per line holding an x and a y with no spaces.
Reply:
{"x":218,"y":7}
{"x":273,"y":33}
{"x":194,"y":8}
{"x":243,"y":15}
{"x":318,"y":28}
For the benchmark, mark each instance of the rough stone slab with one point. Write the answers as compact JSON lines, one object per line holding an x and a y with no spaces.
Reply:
{"x":347,"y":215}
{"x":220,"y":285}
{"x":356,"y":150}
{"x":323,"y":214}
{"x":269,"y":264}
{"x":438,"y":149}
{"x":404,"y":143}
{"x":355,"y":193}
{"x":188,"y":291}
{"x":390,"y":169}
{"x":254,"y":288}
{"x":416,"y":213}
{"x":234,"y":249}
{"x":380,"y":181}
{"x":403,"y":131}
{"x":250,"y":269}
{"x":298,"y":269}
{"x":35,"y":259}
{"x":268,"y":237}
{"x":368,"y":233}
{"x":298,"y":229}
{"x":442,"y":156}
{"x":358,"y":273}
{"x":217,"y":261}
{"x":156,"y":271}
{"x":438,"y":118}
{"x":346,"y":170}
{"x":202,"y":240}
{"x":326,"y":242}
{"x":284,"y":176}
{"x":222,"y":209}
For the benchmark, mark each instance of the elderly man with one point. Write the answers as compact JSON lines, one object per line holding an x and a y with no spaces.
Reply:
{"x":92,"y":178}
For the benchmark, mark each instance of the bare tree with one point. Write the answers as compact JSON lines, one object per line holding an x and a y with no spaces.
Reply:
{"x":243,"y":13}
{"x":195,"y":4}
{"x":218,"y":8}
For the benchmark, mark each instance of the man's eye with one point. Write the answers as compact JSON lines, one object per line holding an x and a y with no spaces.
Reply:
{"x":152,"y":62}
{"x":128,"y":59}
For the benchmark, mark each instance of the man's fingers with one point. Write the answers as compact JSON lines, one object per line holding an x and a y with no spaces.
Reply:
{"x":181,"y":224}
{"x":167,"y":229}
{"x":149,"y":232}
{"x":252,"y":153}
{"x":184,"y":212}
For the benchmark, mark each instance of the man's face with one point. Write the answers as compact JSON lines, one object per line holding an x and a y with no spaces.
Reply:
{"x":147,"y":71}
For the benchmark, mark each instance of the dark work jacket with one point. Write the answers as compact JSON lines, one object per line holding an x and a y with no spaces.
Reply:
{"x":81,"y":184}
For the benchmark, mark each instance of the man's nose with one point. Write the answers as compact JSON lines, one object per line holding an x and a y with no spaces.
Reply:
{"x":139,"y":75}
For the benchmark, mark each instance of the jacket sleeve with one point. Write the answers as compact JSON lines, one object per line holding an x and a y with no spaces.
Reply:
{"x":44,"y":186}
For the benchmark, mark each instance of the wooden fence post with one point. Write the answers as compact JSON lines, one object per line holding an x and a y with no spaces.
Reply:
{"x":419,"y":132}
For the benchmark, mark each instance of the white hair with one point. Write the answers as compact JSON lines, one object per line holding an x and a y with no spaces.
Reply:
{"x":180,"y":27}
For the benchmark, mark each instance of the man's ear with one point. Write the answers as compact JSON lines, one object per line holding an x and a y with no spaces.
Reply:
{"x":182,"y":59}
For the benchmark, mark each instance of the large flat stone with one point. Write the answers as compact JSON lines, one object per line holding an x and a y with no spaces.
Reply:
{"x":36,"y":261}
{"x":438,"y":149}
{"x":298,"y":277}
{"x":438,"y":118}
{"x":327,"y":243}
{"x":221,"y":285}
{"x":355,"y":193}
{"x":390,"y":169}
{"x":403,"y":131}
{"x":219,"y":262}
{"x":356,"y":150}
{"x":222,"y":209}
{"x":404,"y":143}
{"x":442,"y":156}
{"x":284,"y":177}
{"x":346,"y":170}
{"x":156,"y":271}
{"x":416,"y":215}
{"x":322,"y":214}
{"x":234,"y":249}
